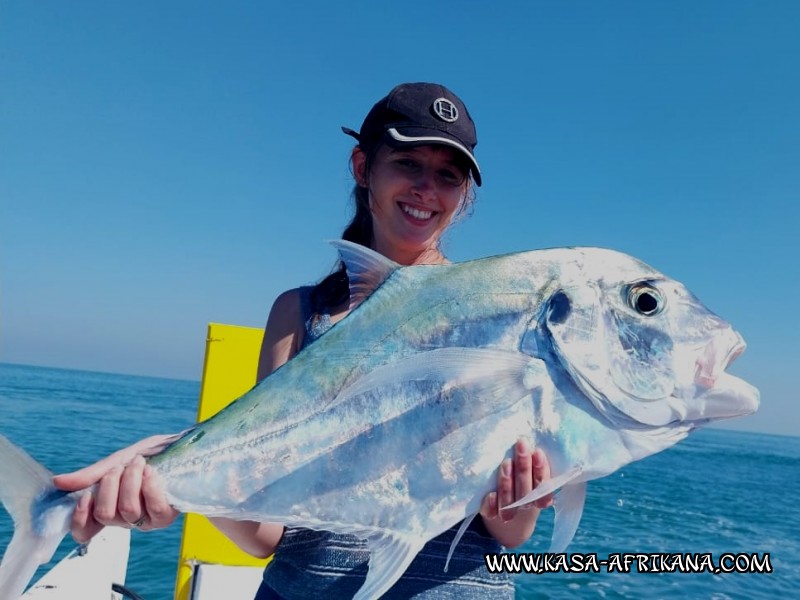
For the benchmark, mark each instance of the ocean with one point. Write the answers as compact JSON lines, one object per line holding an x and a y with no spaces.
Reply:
{"x":718,"y":492}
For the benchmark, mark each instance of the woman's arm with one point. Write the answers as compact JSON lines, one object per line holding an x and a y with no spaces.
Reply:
{"x":128,"y":490}
{"x":282,"y":339}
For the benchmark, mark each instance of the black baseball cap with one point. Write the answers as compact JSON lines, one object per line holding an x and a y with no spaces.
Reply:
{"x":416,"y":114}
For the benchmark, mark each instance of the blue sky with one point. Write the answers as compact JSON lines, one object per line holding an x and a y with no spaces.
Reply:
{"x":167,"y":164}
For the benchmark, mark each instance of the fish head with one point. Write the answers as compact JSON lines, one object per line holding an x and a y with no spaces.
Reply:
{"x":642,"y":347}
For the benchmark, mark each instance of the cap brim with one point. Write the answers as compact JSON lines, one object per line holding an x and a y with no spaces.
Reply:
{"x":352,"y":133}
{"x":418,"y":136}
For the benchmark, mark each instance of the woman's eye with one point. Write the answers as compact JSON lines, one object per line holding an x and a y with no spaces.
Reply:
{"x":407,"y":163}
{"x":451,"y":177}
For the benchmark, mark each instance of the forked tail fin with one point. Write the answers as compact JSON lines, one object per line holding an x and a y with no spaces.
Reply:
{"x":41,"y":516}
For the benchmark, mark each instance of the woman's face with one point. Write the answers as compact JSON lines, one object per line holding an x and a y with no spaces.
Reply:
{"x":414,"y":194}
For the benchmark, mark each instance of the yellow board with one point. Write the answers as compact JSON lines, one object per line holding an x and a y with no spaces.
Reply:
{"x":229,"y":370}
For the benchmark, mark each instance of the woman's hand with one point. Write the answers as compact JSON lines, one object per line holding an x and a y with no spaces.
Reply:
{"x":514,"y":480}
{"x":128,"y":492}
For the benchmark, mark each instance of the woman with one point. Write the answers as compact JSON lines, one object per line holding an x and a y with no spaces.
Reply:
{"x":413,"y":168}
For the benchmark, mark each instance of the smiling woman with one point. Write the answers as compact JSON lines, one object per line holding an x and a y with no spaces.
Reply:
{"x":412,"y":166}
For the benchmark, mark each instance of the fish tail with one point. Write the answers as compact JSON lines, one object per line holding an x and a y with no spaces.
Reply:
{"x":41,"y":514}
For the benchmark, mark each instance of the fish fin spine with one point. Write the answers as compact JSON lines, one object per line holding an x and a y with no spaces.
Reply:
{"x":366,"y":269}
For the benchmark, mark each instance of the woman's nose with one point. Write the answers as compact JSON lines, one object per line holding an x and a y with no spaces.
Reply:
{"x":425,"y":181}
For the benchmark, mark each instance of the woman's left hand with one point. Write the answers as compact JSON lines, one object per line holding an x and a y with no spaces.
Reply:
{"x":515,"y":479}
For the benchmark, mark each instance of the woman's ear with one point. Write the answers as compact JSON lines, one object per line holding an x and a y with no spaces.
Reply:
{"x":359,"y":161}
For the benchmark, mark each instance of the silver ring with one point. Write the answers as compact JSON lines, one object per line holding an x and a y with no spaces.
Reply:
{"x":138,"y":523}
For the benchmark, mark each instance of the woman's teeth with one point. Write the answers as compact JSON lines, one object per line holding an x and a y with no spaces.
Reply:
{"x":423,"y":215}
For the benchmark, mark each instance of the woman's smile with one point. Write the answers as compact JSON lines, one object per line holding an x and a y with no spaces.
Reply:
{"x":416,"y":215}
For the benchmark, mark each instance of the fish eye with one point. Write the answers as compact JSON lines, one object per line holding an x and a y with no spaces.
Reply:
{"x":645,"y":299}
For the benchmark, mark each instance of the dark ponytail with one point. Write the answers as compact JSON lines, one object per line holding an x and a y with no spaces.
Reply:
{"x":359,"y":230}
{"x":334,"y":290}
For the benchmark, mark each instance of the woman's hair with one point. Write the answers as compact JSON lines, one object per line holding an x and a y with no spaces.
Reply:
{"x":334,"y":289}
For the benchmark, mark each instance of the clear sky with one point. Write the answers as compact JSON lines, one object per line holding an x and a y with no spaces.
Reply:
{"x":167,"y":164}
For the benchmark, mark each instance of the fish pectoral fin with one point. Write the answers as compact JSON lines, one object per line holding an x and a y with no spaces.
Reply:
{"x":389,"y":557}
{"x":500,"y":377}
{"x":546,"y":487}
{"x":569,"y":509}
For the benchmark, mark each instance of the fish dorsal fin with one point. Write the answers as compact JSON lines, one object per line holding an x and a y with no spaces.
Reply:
{"x":366,"y":269}
{"x":389,"y":557}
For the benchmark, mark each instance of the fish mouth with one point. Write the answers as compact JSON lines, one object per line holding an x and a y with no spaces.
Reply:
{"x":720,"y":395}
{"x":717,"y":356}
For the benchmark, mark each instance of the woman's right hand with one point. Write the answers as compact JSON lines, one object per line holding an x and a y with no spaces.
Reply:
{"x":128,"y":492}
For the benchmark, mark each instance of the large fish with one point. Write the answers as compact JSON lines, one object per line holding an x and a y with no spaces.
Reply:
{"x":392,"y":425}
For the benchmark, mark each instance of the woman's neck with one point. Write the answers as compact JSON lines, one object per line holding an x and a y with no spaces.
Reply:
{"x":426,"y":256}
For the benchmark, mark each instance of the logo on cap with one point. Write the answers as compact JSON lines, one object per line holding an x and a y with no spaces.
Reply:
{"x":445,"y":110}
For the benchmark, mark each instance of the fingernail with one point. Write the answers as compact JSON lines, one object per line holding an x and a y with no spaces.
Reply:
{"x":83,"y":502}
{"x":538,"y":459}
{"x":506,"y":468}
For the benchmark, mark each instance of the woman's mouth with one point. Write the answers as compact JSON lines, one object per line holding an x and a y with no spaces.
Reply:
{"x":416,"y":213}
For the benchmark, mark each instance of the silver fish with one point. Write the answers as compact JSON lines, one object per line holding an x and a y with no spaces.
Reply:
{"x":392,"y":425}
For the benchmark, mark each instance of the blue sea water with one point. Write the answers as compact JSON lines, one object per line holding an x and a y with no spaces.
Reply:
{"x":716,"y":492}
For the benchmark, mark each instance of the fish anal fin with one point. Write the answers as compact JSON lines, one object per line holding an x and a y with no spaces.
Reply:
{"x":389,"y":557}
{"x":569,"y":509}
{"x":459,"y":534}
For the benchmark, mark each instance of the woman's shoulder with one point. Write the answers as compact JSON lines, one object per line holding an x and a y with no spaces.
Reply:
{"x":288,"y":301}
{"x":295,"y":305}
{"x":284,"y":332}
